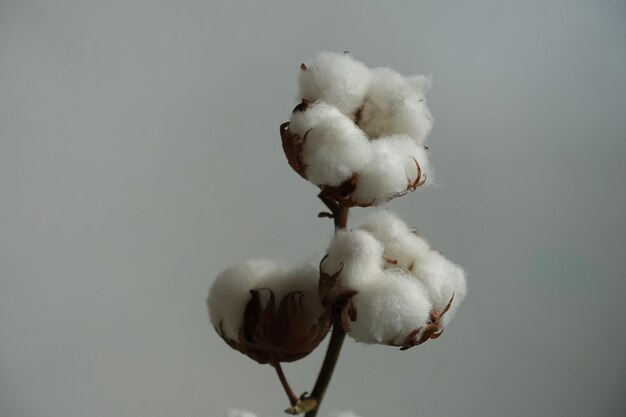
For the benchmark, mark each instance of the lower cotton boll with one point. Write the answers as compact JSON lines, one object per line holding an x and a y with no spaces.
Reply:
{"x":389,"y":309}
{"x":444,"y":279}
{"x":268,"y":311}
{"x":384,"y":284}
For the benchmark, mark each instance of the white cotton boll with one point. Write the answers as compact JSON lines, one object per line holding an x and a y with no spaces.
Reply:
{"x":392,"y":170}
{"x":334,"y":147}
{"x":402,"y":245}
{"x":389,"y":308}
{"x":230,"y":292}
{"x":357,"y":254}
{"x":396,"y":105}
{"x":442,"y":278}
{"x":337,"y":79}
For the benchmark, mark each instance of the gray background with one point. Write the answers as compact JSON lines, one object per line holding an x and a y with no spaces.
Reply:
{"x":139,"y":156}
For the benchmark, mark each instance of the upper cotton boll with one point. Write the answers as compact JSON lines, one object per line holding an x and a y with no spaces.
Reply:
{"x":394,"y":167}
{"x":337,"y":79}
{"x":443,"y":279}
{"x":395,"y":104}
{"x":333,"y":146}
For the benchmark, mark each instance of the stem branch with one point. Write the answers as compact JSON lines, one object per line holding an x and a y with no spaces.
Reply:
{"x":340,"y":217}
{"x":326,"y":372}
{"x":293,"y":398}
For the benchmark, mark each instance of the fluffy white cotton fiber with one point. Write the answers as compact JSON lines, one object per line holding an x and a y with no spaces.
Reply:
{"x":396,"y":104}
{"x":396,"y":284}
{"x":403,"y":246}
{"x":360,"y":125}
{"x":443,"y":279}
{"x":337,"y":79}
{"x":333,"y":146}
{"x":388,"y":308}
{"x":231,"y":291}
{"x":394,"y":167}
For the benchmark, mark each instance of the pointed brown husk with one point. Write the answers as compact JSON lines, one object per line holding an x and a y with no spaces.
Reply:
{"x":282,"y":333}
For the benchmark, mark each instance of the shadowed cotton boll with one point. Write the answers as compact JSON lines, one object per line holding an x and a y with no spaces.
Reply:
{"x":333,"y":147}
{"x":268,"y":310}
{"x":337,"y":79}
{"x":395,"y":104}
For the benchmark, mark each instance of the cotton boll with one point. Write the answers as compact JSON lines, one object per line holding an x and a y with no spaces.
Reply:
{"x":443,"y":279}
{"x":269,"y":311}
{"x":389,"y":308}
{"x":393,"y":169}
{"x":333,"y":146}
{"x":396,"y":105}
{"x":357,"y":254}
{"x":402,"y":245}
{"x":230,"y":292}
{"x":337,"y":79}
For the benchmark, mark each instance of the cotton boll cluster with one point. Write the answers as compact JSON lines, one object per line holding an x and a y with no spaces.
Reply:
{"x":358,"y":133}
{"x":268,"y":310}
{"x":385,"y":285}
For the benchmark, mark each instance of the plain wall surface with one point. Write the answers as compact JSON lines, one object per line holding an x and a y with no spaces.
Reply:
{"x":140,"y":156}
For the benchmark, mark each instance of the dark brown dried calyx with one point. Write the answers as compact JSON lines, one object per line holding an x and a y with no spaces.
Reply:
{"x":293,"y":145}
{"x":337,"y":304}
{"x":271,"y":334}
{"x":432,"y":330}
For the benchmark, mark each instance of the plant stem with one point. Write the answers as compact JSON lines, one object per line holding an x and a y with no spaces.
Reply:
{"x":293,"y":398}
{"x":326,"y":372}
{"x":340,"y":217}
{"x":339,"y":213}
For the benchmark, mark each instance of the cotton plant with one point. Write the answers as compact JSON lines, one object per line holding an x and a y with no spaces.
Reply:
{"x":359,"y":135}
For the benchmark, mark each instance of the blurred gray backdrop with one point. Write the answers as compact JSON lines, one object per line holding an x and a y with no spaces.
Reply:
{"x":140,"y":156}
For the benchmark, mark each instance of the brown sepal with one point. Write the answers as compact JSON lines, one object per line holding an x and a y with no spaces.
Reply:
{"x":293,"y":145}
{"x":431,"y":330}
{"x":271,"y":334}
